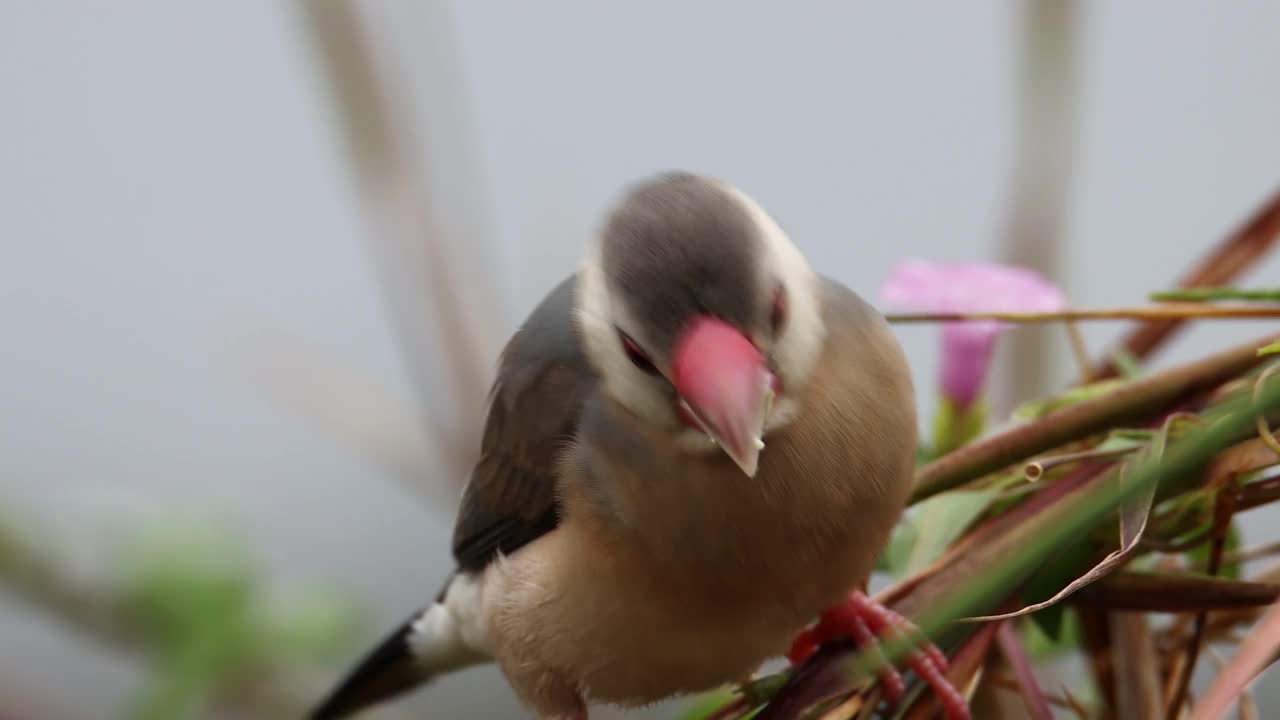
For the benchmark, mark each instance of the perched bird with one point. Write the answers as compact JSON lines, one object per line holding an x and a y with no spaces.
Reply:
{"x":695,"y":446}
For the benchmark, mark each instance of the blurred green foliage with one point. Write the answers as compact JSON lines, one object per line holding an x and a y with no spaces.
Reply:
{"x":190,"y":599}
{"x":209,"y":621}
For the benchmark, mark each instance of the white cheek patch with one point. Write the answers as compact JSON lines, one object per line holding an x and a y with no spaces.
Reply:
{"x":597,"y":319}
{"x":597,"y":316}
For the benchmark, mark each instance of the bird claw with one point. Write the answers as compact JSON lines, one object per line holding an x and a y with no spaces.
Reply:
{"x":862,"y":619}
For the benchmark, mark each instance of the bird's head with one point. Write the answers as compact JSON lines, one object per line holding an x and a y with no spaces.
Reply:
{"x":700,"y":314}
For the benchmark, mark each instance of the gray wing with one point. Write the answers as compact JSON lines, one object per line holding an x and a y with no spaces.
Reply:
{"x":542,"y":383}
{"x":543,"y":380}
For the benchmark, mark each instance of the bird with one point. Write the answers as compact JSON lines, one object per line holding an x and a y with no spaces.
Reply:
{"x":695,"y":448}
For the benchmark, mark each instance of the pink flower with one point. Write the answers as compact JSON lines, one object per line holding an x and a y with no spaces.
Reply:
{"x":968,"y":287}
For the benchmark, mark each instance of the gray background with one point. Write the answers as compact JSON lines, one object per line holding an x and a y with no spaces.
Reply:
{"x":171,"y":175}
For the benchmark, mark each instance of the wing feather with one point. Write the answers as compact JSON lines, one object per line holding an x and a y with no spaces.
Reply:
{"x":542,"y":382}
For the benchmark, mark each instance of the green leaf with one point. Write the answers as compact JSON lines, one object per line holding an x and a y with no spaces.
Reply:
{"x":185,"y":677}
{"x":178,"y":579}
{"x":1042,"y":645}
{"x":192,"y":589}
{"x":1123,"y":441}
{"x":1014,"y":556}
{"x":894,"y":558}
{"x":923,"y":454}
{"x":1133,"y":516}
{"x":1039,"y":408}
{"x":1269,"y":349}
{"x":954,"y":428}
{"x":1126,"y":364}
{"x":707,"y":703}
{"x":1183,"y":519}
{"x":1199,"y":555}
{"x":941,"y":519}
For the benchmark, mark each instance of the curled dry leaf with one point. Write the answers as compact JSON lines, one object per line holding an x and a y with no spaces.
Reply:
{"x":981,"y":567}
{"x":1133,"y":522}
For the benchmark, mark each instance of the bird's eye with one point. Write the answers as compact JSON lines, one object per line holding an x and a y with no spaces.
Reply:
{"x":778,"y":310}
{"x":637,"y":356}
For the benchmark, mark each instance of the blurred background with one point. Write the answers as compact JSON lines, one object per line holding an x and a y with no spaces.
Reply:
{"x":256,"y":261}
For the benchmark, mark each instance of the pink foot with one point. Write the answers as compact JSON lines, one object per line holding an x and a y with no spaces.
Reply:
{"x":863,"y":619}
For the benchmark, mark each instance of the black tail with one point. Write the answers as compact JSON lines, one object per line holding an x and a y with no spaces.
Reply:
{"x":389,"y":670}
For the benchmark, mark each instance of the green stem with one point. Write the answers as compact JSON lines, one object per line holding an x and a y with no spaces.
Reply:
{"x":954,"y":428}
{"x":1216,"y":293}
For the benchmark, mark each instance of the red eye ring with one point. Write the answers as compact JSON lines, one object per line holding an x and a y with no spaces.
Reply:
{"x":636,"y":355}
{"x":778,"y":310}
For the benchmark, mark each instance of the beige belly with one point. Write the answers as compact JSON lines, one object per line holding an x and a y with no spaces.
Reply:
{"x":575,"y":609}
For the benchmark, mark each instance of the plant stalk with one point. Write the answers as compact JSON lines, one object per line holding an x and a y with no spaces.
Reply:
{"x":1132,"y":402}
{"x":1185,"y":311}
{"x":1235,"y":254}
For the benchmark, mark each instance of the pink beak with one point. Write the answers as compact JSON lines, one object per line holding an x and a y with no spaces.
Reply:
{"x":726,"y":385}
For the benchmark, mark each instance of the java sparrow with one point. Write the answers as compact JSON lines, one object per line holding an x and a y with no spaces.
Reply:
{"x":695,"y":446}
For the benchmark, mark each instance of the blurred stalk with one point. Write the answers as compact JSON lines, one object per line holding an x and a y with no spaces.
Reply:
{"x":1045,"y":146}
{"x":1134,"y":661}
{"x":21,"y":699}
{"x":33,"y":574}
{"x":351,"y":407}
{"x":425,"y":286}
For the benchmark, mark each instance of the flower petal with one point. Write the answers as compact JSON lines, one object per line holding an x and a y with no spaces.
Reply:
{"x":969,"y":287}
{"x":966,"y":354}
